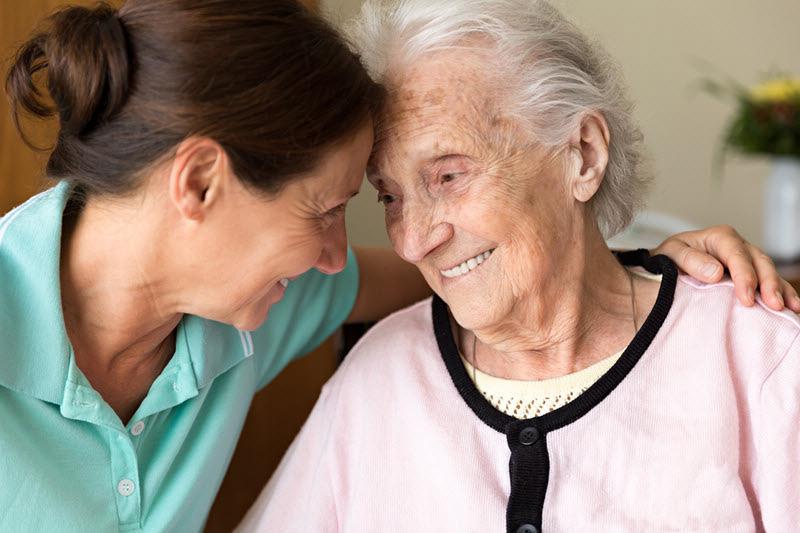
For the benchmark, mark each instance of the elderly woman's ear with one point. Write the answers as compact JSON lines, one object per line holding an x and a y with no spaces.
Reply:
{"x":588,"y":148}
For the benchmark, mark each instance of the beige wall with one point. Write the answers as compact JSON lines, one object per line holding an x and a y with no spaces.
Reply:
{"x":660,"y":45}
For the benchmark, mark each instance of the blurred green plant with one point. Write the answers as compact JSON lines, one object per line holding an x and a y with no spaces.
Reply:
{"x":767,"y":119}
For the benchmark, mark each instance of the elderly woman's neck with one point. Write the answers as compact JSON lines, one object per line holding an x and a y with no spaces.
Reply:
{"x":578,"y":316}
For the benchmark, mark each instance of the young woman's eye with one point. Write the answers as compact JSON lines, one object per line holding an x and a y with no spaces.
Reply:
{"x":336,"y":211}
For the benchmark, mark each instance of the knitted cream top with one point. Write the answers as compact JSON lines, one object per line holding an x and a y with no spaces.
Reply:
{"x":528,"y":399}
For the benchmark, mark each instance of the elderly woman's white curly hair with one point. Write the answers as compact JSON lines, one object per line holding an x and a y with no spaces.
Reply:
{"x":558,"y":72}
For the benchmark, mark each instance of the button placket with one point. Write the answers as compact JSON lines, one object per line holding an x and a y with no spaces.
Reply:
{"x":125,"y":478}
{"x":529,"y":471}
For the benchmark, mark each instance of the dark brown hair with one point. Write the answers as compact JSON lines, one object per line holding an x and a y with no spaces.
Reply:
{"x":274,"y":84}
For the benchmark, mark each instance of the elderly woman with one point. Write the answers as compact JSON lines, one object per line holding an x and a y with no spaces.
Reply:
{"x":549,"y":384}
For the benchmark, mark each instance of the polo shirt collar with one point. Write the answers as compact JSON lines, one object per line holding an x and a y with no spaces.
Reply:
{"x":36,"y":349}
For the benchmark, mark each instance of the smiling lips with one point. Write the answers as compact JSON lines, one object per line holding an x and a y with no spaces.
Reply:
{"x":467,"y":266}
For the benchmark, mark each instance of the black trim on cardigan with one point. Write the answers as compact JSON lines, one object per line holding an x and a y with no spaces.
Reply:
{"x":527,"y":439}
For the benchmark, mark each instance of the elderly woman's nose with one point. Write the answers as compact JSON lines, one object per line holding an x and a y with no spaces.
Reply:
{"x":421,"y":236}
{"x":333,"y":257}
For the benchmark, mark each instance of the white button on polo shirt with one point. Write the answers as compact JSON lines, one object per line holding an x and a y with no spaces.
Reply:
{"x":125,"y":487}
{"x":137,"y":428}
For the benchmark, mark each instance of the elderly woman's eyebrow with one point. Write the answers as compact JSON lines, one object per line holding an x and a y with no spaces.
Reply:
{"x":446,"y":157}
{"x":437,"y":160}
{"x":377,"y":179}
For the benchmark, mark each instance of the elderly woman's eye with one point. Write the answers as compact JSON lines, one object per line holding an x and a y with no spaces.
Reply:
{"x":386,"y":199}
{"x":449,"y":176}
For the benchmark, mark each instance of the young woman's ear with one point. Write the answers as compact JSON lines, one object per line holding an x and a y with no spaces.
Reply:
{"x":197,"y":176}
{"x":589,"y":147}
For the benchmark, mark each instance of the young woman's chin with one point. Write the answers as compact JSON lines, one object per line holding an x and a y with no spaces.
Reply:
{"x":250,"y":319}
{"x":252,"y":316}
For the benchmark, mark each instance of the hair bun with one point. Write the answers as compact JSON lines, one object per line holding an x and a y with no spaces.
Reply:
{"x":86,"y":56}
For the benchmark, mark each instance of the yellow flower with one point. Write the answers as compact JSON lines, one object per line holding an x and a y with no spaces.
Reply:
{"x":776,"y":91}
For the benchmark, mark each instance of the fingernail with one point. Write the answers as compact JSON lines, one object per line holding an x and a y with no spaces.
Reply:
{"x":710,"y":269}
{"x":751,"y":295}
{"x":779,"y":296}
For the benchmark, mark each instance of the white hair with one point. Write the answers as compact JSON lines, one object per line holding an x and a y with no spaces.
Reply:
{"x":560,"y":74}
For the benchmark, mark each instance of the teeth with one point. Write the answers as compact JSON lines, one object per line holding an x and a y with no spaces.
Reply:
{"x":284,"y":282}
{"x":466,"y":266}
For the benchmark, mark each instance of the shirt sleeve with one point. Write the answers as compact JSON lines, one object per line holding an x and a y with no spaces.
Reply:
{"x":312,"y":308}
{"x":776,"y":476}
{"x":300,"y":497}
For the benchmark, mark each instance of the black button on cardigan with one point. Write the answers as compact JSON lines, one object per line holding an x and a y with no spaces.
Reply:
{"x":528,"y":436}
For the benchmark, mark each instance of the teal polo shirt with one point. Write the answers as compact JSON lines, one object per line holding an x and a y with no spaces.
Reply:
{"x":66,"y":461}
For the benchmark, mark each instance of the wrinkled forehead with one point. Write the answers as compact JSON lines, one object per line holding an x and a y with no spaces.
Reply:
{"x":449,"y":97}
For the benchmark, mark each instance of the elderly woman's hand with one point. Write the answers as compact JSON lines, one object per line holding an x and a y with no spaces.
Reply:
{"x":703,"y":253}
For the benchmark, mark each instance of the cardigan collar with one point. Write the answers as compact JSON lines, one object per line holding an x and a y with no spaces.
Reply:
{"x":594,"y":394}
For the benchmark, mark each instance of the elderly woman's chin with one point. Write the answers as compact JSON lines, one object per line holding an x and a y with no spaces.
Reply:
{"x":478,"y":312}
{"x":475,"y":303}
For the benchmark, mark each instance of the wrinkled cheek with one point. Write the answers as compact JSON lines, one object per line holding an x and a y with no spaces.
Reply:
{"x":526,"y":261}
{"x":515,"y":273}
{"x":303,"y":251}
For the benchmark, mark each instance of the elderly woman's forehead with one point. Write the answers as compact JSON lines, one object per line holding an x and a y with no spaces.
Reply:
{"x":450,"y":96}
{"x":439,"y":99}
{"x":438,"y":76}
{"x":431,"y":121}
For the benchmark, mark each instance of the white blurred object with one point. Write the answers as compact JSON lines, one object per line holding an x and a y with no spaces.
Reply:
{"x":648,"y":230}
{"x":782,"y":210}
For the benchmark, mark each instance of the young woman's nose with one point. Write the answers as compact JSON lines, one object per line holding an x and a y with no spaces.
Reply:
{"x":333,"y":257}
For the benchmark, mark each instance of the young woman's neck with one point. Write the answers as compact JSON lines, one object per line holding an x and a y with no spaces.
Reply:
{"x":120,"y":309}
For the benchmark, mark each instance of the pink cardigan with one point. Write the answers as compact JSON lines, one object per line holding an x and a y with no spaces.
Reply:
{"x":695,"y":428}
